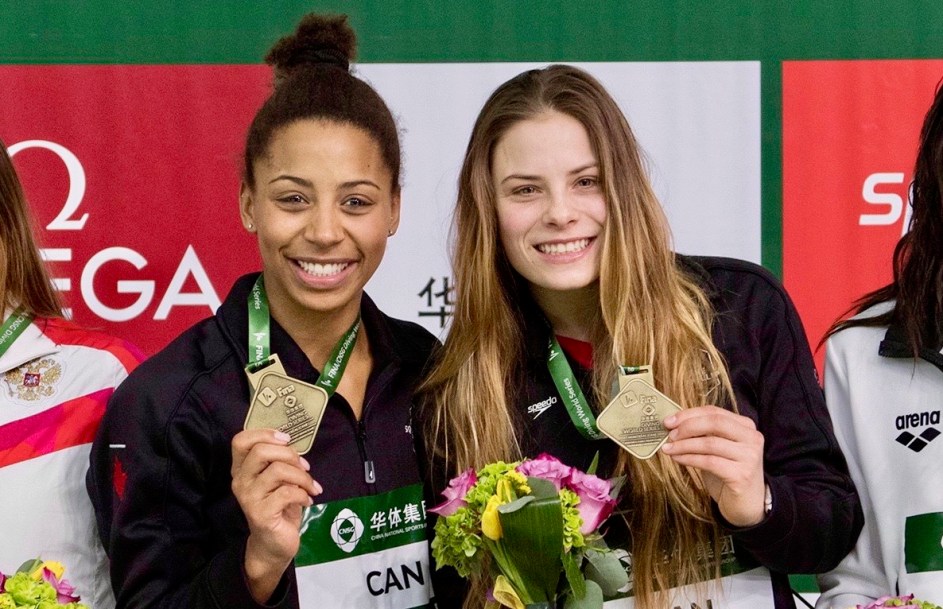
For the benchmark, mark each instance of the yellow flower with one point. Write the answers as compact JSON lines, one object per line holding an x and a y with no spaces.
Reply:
{"x":490,"y":523}
{"x":504,"y":593}
{"x":55,"y":566}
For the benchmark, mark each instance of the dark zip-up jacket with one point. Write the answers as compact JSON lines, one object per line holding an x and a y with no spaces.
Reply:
{"x":816,"y":514}
{"x":160,"y":465}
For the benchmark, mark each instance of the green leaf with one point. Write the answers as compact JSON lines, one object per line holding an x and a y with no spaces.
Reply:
{"x":605,"y":569}
{"x":515,"y":505}
{"x":533,"y":542}
{"x":592,"y":600}
{"x":617,"y":484}
{"x":30,"y":565}
{"x":574,"y":575}
{"x":591,"y":470}
{"x":542,"y":489}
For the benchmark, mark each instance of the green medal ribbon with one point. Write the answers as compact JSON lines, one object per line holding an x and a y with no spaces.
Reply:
{"x":569,"y":389}
{"x":15,"y":325}
{"x":260,"y":335}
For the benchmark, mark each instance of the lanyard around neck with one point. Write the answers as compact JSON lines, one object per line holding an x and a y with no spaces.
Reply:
{"x":260,"y":340}
{"x":15,"y":325}
{"x":569,"y":389}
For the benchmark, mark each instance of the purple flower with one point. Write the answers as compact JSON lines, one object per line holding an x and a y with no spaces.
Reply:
{"x":595,"y":504}
{"x":547,"y":467}
{"x":455,"y":493}
{"x":65,"y":592}
{"x":3,"y":578}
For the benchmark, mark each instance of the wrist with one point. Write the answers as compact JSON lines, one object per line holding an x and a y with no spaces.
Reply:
{"x":263,"y":571}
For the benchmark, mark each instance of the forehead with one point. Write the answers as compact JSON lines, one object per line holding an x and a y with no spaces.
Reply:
{"x":547,"y":142}
{"x":324,"y":147}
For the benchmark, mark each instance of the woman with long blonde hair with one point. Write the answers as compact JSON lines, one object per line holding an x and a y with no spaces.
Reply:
{"x":559,"y":239}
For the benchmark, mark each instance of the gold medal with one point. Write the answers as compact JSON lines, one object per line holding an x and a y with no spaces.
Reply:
{"x":287,"y":405}
{"x":633,"y":420}
{"x":256,"y":371}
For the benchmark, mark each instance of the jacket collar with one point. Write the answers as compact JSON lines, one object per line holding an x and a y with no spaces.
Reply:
{"x":895,"y":345}
{"x":233,"y":319}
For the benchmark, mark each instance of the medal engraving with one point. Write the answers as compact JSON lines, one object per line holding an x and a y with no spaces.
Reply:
{"x":287,"y":405}
{"x":633,"y":420}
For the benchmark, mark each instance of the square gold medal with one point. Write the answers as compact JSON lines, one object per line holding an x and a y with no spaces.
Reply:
{"x":288,"y":405}
{"x":633,"y":420}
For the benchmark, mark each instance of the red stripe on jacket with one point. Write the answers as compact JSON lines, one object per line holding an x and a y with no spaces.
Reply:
{"x":69,"y":424}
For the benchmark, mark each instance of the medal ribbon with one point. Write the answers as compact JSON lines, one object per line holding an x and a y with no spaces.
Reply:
{"x":15,"y":325}
{"x":574,"y":400}
{"x":260,"y":334}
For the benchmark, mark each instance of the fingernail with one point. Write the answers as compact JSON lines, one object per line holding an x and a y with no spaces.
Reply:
{"x":317,"y":487}
{"x":310,"y":500}
{"x":671,"y":420}
{"x":281,"y":436}
{"x":673,"y":435}
{"x":667,"y":447}
{"x":305,"y":464}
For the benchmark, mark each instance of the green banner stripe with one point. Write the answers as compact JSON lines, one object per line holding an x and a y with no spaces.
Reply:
{"x":154,"y":31}
{"x":923,"y":536}
{"x":363,"y":525}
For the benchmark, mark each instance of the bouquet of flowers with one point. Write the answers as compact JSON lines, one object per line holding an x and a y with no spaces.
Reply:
{"x":532,"y":528}
{"x":901,"y":602}
{"x":38,"y":584}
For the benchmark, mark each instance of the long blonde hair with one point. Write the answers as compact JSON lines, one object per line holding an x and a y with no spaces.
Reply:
{"x":649,"y":311}
{"x":23,"y":277}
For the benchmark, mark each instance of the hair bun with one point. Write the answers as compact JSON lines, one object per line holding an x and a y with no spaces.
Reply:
{"x":319,"y":39}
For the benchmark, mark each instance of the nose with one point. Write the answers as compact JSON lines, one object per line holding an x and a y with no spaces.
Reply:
{"x":324,"y":227}
{"x":560,"y":209}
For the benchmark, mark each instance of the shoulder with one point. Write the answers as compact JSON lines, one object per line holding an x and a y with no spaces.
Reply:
{"x":858,"y":339}
{"x":68,"y":334}
{"x":731,"y":283}
{"x":162,"y":381}
{"x":412,"y":343}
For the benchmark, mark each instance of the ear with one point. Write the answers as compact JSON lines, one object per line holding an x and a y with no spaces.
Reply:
{"x":394,"y":212}
{"x":246,"y":209}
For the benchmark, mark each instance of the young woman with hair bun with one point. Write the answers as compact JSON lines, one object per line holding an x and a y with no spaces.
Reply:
{"x":203,"y":499}
{"x":561,"y":243}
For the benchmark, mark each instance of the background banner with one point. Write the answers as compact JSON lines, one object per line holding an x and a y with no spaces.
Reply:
{"x":783,"y":133}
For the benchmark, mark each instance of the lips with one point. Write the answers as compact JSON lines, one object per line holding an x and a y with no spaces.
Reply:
{"x":317,"y":269}
{"x":559,"y":248}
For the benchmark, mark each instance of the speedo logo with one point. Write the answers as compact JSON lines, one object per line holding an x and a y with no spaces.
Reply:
{"x":918,"y":442}
{"x":540,"y":407}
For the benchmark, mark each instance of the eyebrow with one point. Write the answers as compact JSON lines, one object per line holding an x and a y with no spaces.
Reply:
{"x":518,"y":176}
{"x":309,"y":184}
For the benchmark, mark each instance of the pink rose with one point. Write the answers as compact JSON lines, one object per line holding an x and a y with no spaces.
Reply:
{"x":881,"y":603}
{"x":595,"y":504}
{"x":455,"y":493}
{"x":65,"y":592}
{"x":546,"y":467}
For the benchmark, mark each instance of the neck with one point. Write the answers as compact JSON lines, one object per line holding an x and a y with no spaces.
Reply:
{"x":317,"y":332}
{"x":570,"y":313}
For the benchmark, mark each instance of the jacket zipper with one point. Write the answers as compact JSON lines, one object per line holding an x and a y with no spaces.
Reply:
{"x":369,"y":469}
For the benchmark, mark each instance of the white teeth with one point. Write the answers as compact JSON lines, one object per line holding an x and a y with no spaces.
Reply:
{"x":322,"y":270}
{"x":563,"y":248}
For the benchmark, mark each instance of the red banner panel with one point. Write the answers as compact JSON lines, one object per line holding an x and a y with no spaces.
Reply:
{"x":850,"y":133}
{"x":133,"y":176}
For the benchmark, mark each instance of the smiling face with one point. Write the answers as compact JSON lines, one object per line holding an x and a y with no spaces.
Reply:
{"x":550,"y":205}
{"x":323,"y":205}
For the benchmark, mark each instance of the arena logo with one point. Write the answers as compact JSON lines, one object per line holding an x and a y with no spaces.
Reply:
{"x":69,"y":218}
{"x":920,"y":441}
